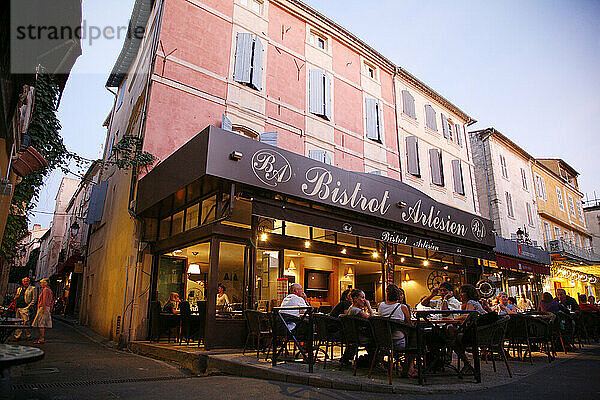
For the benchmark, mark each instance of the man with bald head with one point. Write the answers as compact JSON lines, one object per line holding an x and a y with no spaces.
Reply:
{"x":25,"y":299}
{"x":295,"y":298}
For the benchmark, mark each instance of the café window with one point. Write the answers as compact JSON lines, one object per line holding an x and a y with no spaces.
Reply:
{"x":191,"y":216}
{"x":231,"y":280}
{"x":209,"y":210}
{"x":297,"y":230}
{"x":323,"y":235}
{"x":266,"y":280}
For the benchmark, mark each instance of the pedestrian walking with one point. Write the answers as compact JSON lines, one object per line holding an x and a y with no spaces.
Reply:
{"x":25,"y":299}
{"x":43,"y":319}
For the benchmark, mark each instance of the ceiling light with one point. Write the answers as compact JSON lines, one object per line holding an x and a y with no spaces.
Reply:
{"x":344,"y":250}
{"x":375,"y":254}
{"x":426,"y":262}
{"x":402,"y":259}
{"x":445,"y":267}
{"x":263,"y":237}
{"x":307,"y":244}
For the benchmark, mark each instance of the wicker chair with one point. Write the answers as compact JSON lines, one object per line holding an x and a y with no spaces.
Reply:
{"x":491,"y":340}
{"x":356,"y":334}
{"x":328,"y":332}
{"x":259,"y":328}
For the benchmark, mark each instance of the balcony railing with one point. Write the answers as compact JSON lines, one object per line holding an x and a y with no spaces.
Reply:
{"x":569,"y":249}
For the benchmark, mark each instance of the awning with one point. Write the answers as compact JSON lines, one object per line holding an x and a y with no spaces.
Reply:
{"x":225,"y":155}
{"x":69,"y":264}
{"x":515,"y":264}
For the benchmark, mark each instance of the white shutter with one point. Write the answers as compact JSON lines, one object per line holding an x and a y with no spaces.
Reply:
{"x":371,"y":107}
{"x":437,"y":172}
{"x":257,"y":64}
{"x":445,"y":127}
{"x":412,"y":155}
{"x":458,"y":177}
{"x":226,"y":123}
{"x":315,"y":92}
{"x":269,"y":138}
{"x":327,"y":96}
{"x":243,"y":57}
{"x":380,"y":127}
{"x":459,"y":134}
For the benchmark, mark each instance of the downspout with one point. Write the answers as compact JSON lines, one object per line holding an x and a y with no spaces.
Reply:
{"x":396,"y":116}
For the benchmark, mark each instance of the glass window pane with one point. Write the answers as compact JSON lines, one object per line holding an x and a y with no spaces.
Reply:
{"x":194,"y":190}
{"x":191,"y":218}
{"x":208,"y":210}
{"x":370,"y":244}
{"x":297,"y":230}
{"x":171,"y":271}
{"x":265,"y":282}
{"x":165,"y":228}
{"x":179,"y":199}
{"x":231,"y":279}
{"x":177,"y":223}
{"x":323,"y":235}
{"x":197,"y":275}
{"x":344,"y":238}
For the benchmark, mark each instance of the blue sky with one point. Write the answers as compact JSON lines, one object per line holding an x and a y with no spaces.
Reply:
{"x":528,"y":68}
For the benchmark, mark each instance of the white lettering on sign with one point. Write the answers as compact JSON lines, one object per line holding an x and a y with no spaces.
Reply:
{"x":432,"y":219}
{"x":270,"y":167}
{"x":320,"y":184}
{"x":393,"y":238}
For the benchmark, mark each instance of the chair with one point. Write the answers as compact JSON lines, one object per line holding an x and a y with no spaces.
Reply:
{"x":328,"y":331}
{"x":590,"y":320}
{"x":566,"y":330}
{"x":518,"y":335}
{"x":491,"y":337}
{"x":539,"y":330}
{"x":185,"y":321}
{"x":356,"y":334}
{"x":259,"y":327}
{"x":464,"y":338}
{"x":383,"y":329}
{"x":198,"y":325}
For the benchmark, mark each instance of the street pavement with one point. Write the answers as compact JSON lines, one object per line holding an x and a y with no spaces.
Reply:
{"x":78,"y":367}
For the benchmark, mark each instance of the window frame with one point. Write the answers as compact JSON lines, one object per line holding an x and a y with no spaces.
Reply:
{"x":509,"y":206}
{"x":559,"y":197}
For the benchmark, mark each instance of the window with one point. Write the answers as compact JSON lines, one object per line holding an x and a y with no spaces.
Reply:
{"x":318,"y":40}
{"x":120,"y":97}
{"x":374,"y":119}
{"x":540,"y":186}
{"x":578,"y":240}
{"x":571,"y":206}
{"x":559,"y":196}
{"x":529,"y":214}
{"x":412,"y":156}
{"x":254,"y":5}
{"x":458,"y":129}
{"x":437,"y":170}
{"x":269,"y":138}
{"x":408,"y":104}
{"x":430,"y":118}
{"x":458,"y":177}
{"x":248,"y":60}
{"x":567,"y":237}
{"x":547,"y":231}
{"x":580,"y":210}
{"x":321,"y":43}
{"x":446,"y":127}
{"x":503,"y":166}
{"x":320,"y":93}
{"x":370,"y":70}
{"x":524,"y":179}
{"x":509,"y":206}
{"x":320,"y":155}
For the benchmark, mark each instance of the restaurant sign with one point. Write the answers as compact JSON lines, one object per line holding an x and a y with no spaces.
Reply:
{"x":272,"y":168}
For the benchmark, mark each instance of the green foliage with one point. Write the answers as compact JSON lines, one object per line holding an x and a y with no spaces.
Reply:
{"x":129,"y":154}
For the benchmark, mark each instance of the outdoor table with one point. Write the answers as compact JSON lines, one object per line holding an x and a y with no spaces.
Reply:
{"x":8,"y":326}
{"x":433,"y":330}
{"x":11,"y":355}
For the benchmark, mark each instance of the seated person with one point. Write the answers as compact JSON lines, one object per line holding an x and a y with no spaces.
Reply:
{"x":591,"y":300}
{"x":293,"y":318}
{"x":567,"y":301}
{"x":361,"y":307}
{"x":524,"y":303}
{"x":343,"y":305}
{"x":222,"y":298}
{"x":584,"y":305}
{"x":447,"y":300}
{"x":549,"y":304}
{"x":420,"y":306}
{"x":172,"y":306}
{"x":504,"y":307}
{"x":469,"y":298}
{"x":394,"y":308}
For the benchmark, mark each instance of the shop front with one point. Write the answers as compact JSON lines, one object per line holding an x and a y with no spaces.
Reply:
{"x":233,"y":222}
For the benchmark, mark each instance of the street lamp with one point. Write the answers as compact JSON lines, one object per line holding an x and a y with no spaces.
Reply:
{"x":74,"y":228}
{"x":520,"y":234}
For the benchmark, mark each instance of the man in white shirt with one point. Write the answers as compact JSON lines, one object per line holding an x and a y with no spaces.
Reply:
{"x":447,"y":300}
{"x":296,"y":298}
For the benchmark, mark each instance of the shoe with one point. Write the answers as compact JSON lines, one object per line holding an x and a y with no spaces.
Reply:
{"x":39,"y":342}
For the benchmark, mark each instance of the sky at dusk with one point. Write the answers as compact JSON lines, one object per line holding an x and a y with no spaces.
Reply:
{"x":530,"y":69}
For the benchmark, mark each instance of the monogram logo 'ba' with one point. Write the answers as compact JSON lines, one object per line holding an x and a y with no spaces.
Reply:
{"x":478,"y":228}
{"x":271,"y":168}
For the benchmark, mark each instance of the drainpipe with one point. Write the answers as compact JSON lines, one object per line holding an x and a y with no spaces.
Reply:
{"x":397,"y":131}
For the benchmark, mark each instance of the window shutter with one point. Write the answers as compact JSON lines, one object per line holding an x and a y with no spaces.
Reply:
{"x":226,"y":123}
{"x":445,"y":127}
{"x":371,"y":106}
{"x":435,"y":160}
{"x":380,"y":131}
{"x":408,"y":104}
{"x":326,"y":158}
{"x":243,"y":57}
{"x":96,"y":204}
{"x":459,"y":135}
{"x":269,"y":138}
{"x":430,"y":117}
{"x":458,"y":177}
{"x":376,"y":172}
{"x":327,"y":96}
{"x":316,"y":103}
{"x":412,"y":154}
{"x":318,"y":155}
{"x":257,"y":64}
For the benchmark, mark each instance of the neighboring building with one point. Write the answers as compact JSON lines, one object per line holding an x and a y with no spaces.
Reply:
{"x":28,"y":244}
{"x":41,"y":269}
{"x":565,"y":232}
{"x":284,"y":75}
{"x":48,"y":265}
{"x":591,"y":210}
{"x":507,"y":196}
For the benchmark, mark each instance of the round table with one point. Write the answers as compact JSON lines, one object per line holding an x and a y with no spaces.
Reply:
{"x":11,"y":355}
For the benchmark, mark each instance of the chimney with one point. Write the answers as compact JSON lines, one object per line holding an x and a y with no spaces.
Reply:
{"x":37,"y":227}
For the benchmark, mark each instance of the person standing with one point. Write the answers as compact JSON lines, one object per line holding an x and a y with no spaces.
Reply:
{"x":25,"y":299}
{"x":43,"y":319}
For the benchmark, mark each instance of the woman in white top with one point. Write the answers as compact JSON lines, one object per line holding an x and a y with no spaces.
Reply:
{"x":222,"y":299}
{"x":395,"y":308}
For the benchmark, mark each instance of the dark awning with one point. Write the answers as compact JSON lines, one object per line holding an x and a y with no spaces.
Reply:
{"x":69,"y":264}
{"x":515,"y":264}
{"x":226,"y":155}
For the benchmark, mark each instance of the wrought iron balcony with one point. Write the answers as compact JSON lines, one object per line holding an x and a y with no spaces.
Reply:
{"x":570,"y":250}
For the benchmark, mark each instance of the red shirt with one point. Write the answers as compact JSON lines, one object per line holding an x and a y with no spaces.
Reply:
{"x":586,"y":306}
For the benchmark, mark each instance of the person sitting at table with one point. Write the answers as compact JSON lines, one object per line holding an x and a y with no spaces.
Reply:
{"x":567,"y":301}
{"x":469,"y":299}
{"x":549,"y":304}
{"x":584,"y":305}
{"x":524,"y":303}
{"x":222,"y":298}
{"x":591,"y":300}
{"x":172,"y":306}
{"x":504,"y":307}
{"x":361,"y":307}
{"x":447,"y":300}
{"x":395,"y":308}
{"x":296,"y":298}
{"x":344,"y":304}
